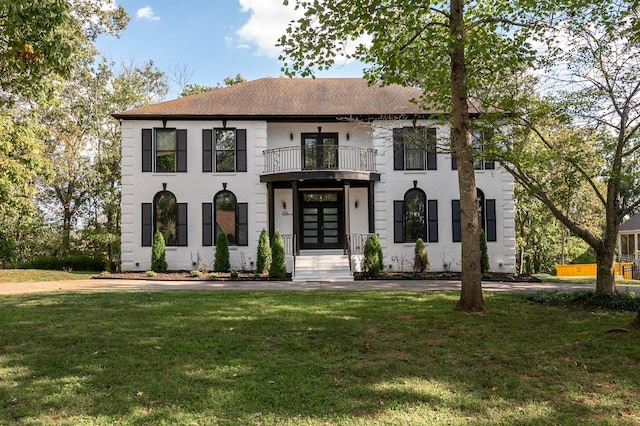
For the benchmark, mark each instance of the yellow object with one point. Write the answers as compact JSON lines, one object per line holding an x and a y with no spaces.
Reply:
{"x":590,"y":270}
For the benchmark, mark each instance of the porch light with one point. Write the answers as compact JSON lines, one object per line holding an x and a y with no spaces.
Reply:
{"x":356,"y":204}
{"x":347,"y":136}
{"x":291,"y":136}
{"x":284,"y":205}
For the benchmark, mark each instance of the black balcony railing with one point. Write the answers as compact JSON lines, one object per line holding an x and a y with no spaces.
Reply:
{"x":319,"y":157}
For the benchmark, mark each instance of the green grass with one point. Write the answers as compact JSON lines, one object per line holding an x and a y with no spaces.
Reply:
{"x":31,"y":275}
{"x":311,"y":358}
{"x":581,"y":280}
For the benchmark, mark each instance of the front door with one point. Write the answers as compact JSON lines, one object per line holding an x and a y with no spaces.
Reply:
{"x":321,"y":220}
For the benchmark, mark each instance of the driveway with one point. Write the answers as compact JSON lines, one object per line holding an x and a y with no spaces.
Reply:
{"x":399,"y":285}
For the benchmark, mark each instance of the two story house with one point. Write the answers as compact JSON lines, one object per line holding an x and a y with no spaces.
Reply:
{"x":326,"y":162}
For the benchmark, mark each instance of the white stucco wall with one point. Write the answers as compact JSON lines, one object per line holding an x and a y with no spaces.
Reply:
{"x":196,"y":187}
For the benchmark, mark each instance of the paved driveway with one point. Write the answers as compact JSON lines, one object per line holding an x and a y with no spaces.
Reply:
{"x":400,"y":285}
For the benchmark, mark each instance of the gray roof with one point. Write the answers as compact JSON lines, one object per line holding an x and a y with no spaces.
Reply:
{"x":631,"y":224}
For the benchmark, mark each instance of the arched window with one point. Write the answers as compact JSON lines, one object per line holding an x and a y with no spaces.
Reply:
{"x":165,"y":208}
{"x":415,"y":215}
{"x":225,"y":216}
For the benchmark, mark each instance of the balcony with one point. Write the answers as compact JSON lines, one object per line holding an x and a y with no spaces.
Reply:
{"x":319,"y":158}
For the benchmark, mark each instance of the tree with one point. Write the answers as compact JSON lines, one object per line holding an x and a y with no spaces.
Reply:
{"x":263,"y":257}
{"x":484,"y":253}
{"x":373,"y":263}
{"x":221,"y":258}
{"x":278,"y":267}
{"x":193,"y":89}
{"x":43,"y":40}
{"x":584,"y":134}
{"x":158,"y":262}
{"x":467,"y":46}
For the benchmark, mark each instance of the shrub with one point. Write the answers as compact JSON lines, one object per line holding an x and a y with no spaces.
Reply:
{"x":221,"y":259}
{"x":373,"y":263}
{"x":484,"y":253}
{"x":263,"y":259}
{"x":158,"y":261}
{"x":150,"y":273}
{"x":234,"y":275}
{"x":588,"y":256}
{"x":195,"y":273}
{"x":588,"y":299}
{"x":72,"y":262}
{"x":278,"y":267}
{"x":420,"y":257}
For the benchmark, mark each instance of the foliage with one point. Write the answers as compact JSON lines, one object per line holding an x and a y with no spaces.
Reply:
{"x":484,"y":253}
{"x":587,"y":256}
{"x":7,"y":249}
{"x":221,"y":258}
{"x":72,"y":262}
{"x":194,"y":89}
{"x":234,"y":275}
{"x":373,"y":263}
{"x":158,"y":261}
{"x":278,"y":267}
{"x":420,"y":257}
{"x":263,"y":257}
{"x":588,"y":299}
{"x":195,"y":273}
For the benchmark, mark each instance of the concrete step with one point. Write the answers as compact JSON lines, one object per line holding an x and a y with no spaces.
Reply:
{"x":325,"y":266}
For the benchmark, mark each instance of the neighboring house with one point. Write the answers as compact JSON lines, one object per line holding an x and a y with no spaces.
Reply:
{"x":629,"y":235}
{"x":326,"y":162}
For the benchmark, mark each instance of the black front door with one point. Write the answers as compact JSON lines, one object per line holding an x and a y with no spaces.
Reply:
{"x":321,"y":216}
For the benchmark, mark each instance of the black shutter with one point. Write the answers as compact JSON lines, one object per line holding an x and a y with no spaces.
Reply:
{"x":147,"y":150}
{"x":433,"y":220}
{"x":241,"y":150}
{"x":182,"y":220}
{"x":398,"y":221}
{"x":207,"y":150}
{"x":489,"y":165}
{"x":491,"y":219}
{"x":243,"y":224}
{"x":454,"y":162}
{"x":207,"y":224}
{"x":432,"y":160}
{"x":147,"y":224}
{"x":398,"y":149}
{"x":181,"y":150}
{"x":456,"y":221}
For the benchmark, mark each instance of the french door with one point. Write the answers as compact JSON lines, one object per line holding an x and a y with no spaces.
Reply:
{"x":321,"y":220}
{"x":320,"y":151}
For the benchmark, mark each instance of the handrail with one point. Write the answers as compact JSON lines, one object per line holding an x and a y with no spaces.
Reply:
{"x":320,"y":157}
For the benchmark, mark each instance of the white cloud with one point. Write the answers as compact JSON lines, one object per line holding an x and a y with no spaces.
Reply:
{"x":268,"y":21}
{"x":147,"y":13}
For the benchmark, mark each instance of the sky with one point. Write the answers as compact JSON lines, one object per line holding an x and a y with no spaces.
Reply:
{"x":211,"y":39}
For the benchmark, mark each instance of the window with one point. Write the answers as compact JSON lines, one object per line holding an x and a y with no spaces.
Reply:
{"x":487,"y":216}
{"x":414,"y":148}
{"x":415,"y":217}
{"x":164,"y":150}
{"x":168,"y":217}
{"x":224,"y":150}
{"x":320,"y":151}
{"x":478,"y":140}
{"x":226,"y":215}
{"x":628,"y":245}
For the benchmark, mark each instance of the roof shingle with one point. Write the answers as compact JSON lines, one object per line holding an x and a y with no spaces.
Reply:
{"x":290,"y":97}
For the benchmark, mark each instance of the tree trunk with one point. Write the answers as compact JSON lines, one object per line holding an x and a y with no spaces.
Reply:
{"x":605,"y":261}
{"x":471,"y":292}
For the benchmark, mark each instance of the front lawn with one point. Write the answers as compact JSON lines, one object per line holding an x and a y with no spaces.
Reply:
{"x":311,"y":358}
{"x":31,"y":275}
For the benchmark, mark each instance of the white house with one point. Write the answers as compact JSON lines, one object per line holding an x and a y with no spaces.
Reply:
{"x":326,"y":162}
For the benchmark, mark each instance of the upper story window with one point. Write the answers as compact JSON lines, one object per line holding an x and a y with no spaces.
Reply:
{"x":414,"y":148}
{"x":164,"y":150}
{"x":478,"y":141}
{"x":224,"y":150}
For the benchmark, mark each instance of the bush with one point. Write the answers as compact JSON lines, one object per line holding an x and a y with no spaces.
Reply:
{"x":7,"y":249}
{"x":373,"y":263}
{"x":588,"y":299}
{"x":263,"y":258}
{"x":484,"y":253}
{"x":420,"y":257}
{"x":221,"y":259}
{"x":72,"y":262}
{"x":278,"y":267}
{"x":587,"y":256}
{"x":195,"y":273}
{"x":158,"y":261}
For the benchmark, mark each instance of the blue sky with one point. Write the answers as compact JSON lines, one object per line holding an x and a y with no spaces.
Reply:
{"x":212,"y":39}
